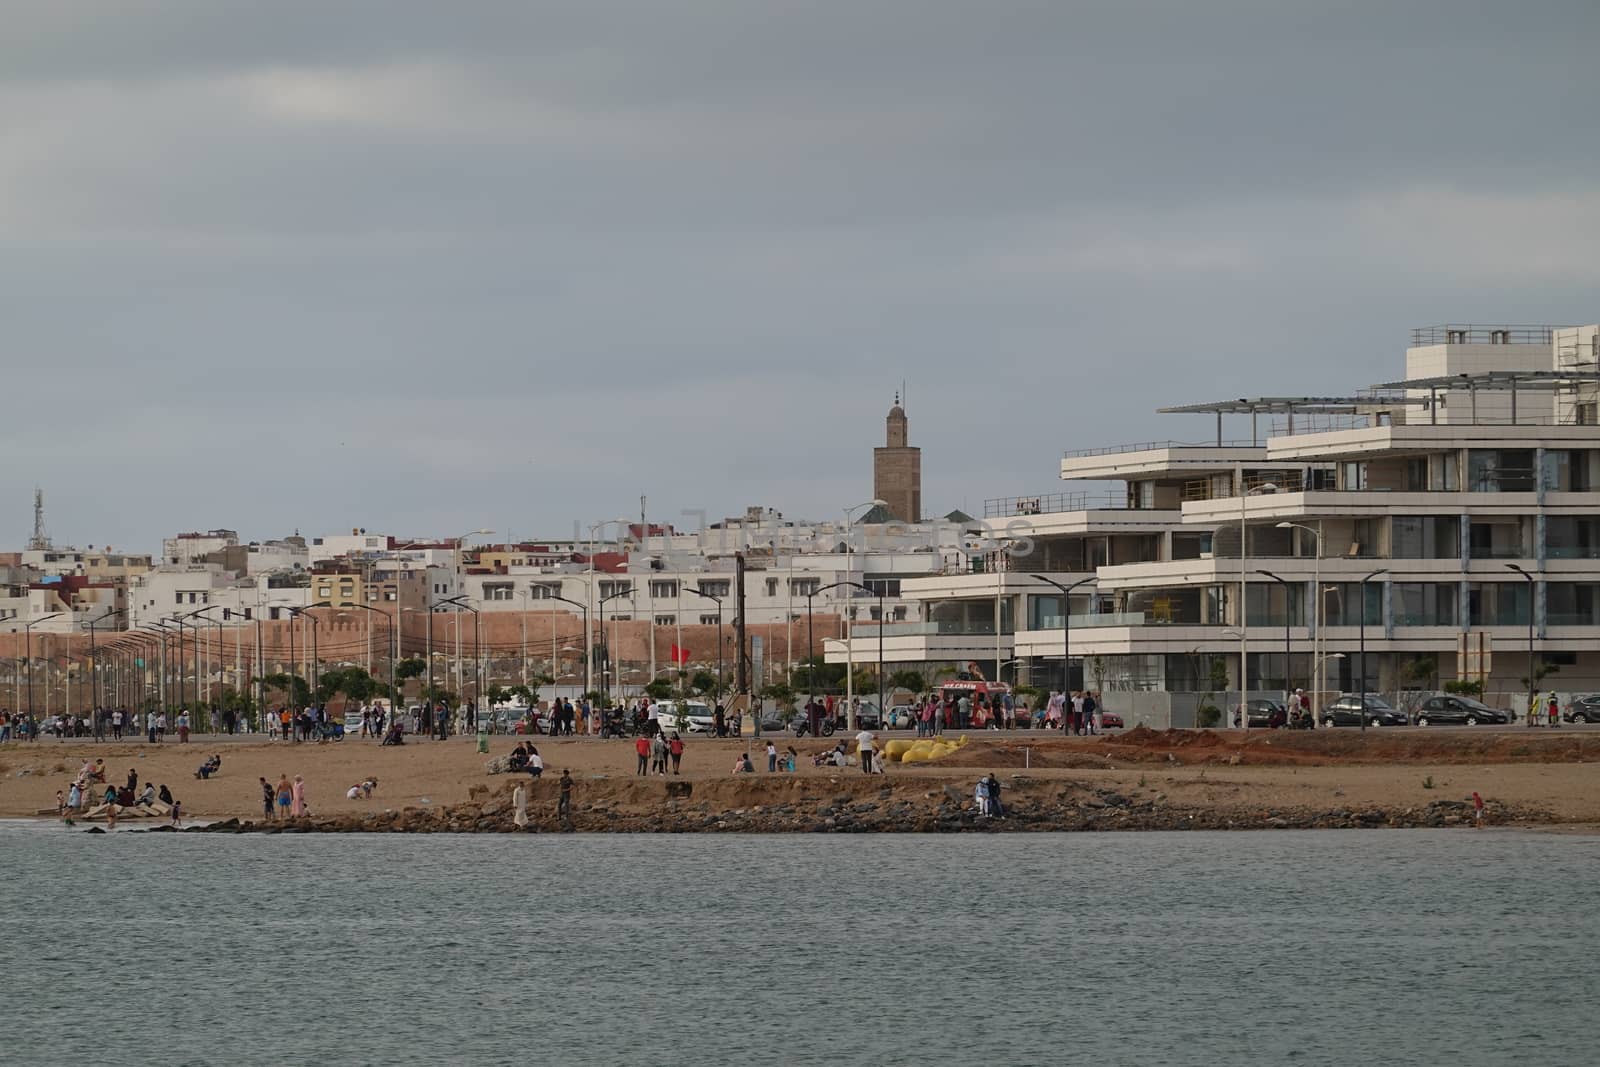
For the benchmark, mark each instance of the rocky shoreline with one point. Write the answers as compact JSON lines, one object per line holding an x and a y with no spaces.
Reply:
{"x":850,"y":806}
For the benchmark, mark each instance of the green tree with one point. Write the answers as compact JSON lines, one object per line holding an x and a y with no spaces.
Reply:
{"x":407,"y":669}
{"x":498,"y":694}
{"x":439,"y":694}
{"x":354,"y":682}
{"x":907,"y":679}
{"x":658,"y":689}
{"x":812,"y":675}
{"x":291,"y":689}
{"x":703,"y":682}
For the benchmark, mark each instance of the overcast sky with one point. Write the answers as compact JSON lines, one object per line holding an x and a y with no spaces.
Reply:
{"x":426,"y":267}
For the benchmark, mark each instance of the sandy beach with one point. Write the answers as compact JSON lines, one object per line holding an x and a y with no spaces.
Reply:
{"x":1305,"y":773}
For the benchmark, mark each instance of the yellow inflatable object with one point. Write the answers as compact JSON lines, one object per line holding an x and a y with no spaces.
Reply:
{"x":895,"y":749}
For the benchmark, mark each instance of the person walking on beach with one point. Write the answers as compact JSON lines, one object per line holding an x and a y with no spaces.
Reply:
{"x":150,"y":728}
{"x":772,"y":758}
{"x":297,"y":805}
{"x":675,"y":749}
{"x":268,"y":795}
{"x":1555,"y":710}
{"x":564,"y":800}
{"x":183,"y":727}
{"x":1477,"y":810}
{"x":641,"y":746}
{"x":519,"y":806}
{"x":658,"y":754}
{"x":864,"y":749}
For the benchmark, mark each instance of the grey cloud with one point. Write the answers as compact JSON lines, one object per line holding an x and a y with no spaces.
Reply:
{"x":387,"y":263}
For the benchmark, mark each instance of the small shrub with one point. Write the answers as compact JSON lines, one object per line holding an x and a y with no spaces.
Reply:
{"x":1141,"y":781}
{"x":1207,"y":716}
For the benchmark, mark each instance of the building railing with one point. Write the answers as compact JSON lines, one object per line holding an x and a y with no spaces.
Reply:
{"x":1053,"y":503}
{"x":1459,"y":333}
{"x":929,"y":629}
{"x":1107,"y":618}
{"x":1150,"y":446}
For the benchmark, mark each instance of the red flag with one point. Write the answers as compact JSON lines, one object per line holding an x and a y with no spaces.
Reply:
{"x":680,"y":656}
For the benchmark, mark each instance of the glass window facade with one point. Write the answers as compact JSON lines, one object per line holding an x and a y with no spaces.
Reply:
{"x":1497,"y":603}
{"x":1567,"y":537}
{"x":1572,"y":604}
{"x":1500,"y":470}
{"x":1425,"y":603}
{"x":1425,"y":537}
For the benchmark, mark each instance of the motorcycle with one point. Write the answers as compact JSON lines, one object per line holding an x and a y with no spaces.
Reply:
{"x":803,"y":727}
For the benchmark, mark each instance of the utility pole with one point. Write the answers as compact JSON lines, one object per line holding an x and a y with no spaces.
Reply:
{"x":741,"y":666}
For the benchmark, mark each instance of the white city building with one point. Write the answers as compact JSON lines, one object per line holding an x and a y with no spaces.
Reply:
{"x":1465,"y":496}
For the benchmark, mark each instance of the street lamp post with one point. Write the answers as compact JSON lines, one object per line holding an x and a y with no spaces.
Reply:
{"x":588,"y":674}
{"x":718,"y":600}
{"x":1531,"y":682}
{"x":811,"y":646}
{"x":1287,"y":688}
{"x":1319,"y":683}
{"x":612,"y":662}
{"x":27,"y":655}
{"x":849,"y":574}
{"x":315,"y":670}
{"x":849,"y":706}
{"x":1066,"y":626}
{"x":1363,"y":609}
{"x":477,"y":654}
{"x":94,"y":666}
{"x":393,"y":691}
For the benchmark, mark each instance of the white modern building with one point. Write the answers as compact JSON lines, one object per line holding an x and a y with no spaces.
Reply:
{"x":1443,"y":522}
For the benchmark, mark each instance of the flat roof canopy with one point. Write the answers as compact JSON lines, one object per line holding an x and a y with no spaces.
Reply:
{"x":1498,"y":379}
{"x":1292,"y":405}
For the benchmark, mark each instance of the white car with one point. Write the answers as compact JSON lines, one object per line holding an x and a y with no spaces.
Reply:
{"x":696,"y":717}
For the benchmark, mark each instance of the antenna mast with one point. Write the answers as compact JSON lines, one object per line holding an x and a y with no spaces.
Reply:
{"x":40,"y":541}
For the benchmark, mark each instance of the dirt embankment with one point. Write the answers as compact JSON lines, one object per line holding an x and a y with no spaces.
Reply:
{"x":1277,"y":748}
{"x":867,"y":805}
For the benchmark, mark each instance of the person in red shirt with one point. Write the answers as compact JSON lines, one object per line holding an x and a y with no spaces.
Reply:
{"x":641,"y":745}
{"x":675,"y":747}
{"x":1477,"y":809}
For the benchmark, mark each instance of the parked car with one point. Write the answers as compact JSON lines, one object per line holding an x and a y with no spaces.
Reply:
{"x":1459,"y":710}
{"x":697,"y":716}
{"x":1347,"y":711}
{"x":1583,"y":709}
{"x":1110,"y":720}
{"x":1263,"y":714}
{"x":904,"y":716}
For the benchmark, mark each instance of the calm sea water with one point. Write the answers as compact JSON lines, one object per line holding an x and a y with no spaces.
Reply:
{"x":1450,"y":948}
